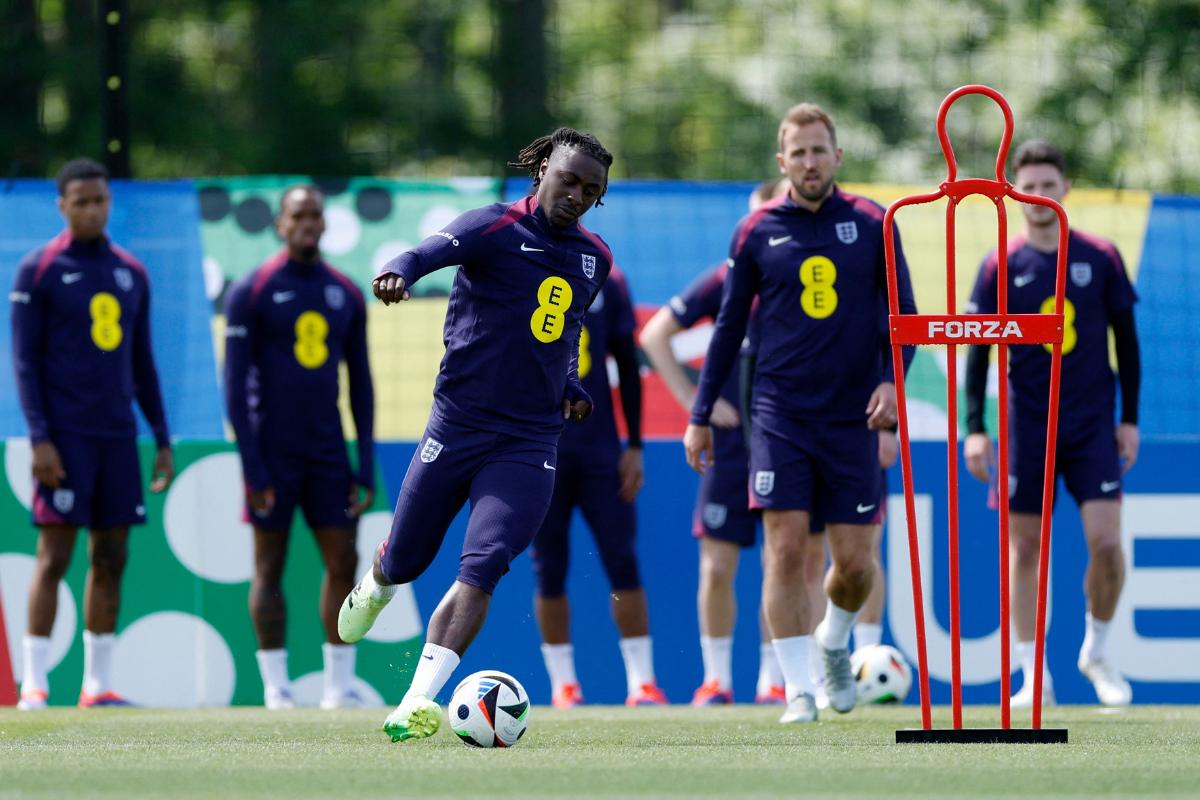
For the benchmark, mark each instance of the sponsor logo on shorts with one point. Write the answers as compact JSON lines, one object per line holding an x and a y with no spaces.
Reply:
{"x":124,"y":278}
{"x":985,"y":329}
{"x":1012,"y":486}
{"x":764,"y":482}
{"x":140,"y":510}
{"x":549,"y":466}
{"x":714,"y":514}
{"x":64,"y":500}
{"x":847,"y":232}
{"x":335,"y":296}
{"x":860,"y":508}
{"x":1109,"y":486}
{"x":589,"y":265}
{"x":1081,"y":273}
{"x":431,"y":450}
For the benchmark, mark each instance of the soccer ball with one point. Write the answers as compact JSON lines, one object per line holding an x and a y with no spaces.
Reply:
{"x":881,"y":673}
{"x":489,"y":709}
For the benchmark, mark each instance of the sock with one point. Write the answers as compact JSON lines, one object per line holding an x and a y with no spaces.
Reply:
{"x":339,"y":668}
{"x":717,"y":652}
{"x":769,"y":674}
{"x":434,"y":668}
{"x":560,"y":664}
{"x":272,"y":665}
{"x":834,"y":631}
{"x":867,"y":634}
{"x":639,"y":662}
{"x":1026,"y":655}
{"x":792,"y":653}
{"x":1095,"y":634}
{"x":373,"y":589}
{"x":35,"y":649}
{"x":97,"y":661}
{"x":816,"y":668}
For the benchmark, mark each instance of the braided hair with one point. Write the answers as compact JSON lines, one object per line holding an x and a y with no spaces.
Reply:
{"x":531,"y":156}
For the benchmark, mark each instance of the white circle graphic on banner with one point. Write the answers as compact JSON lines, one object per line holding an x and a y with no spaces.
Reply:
{"x":16,"y":573}
{"x":386,"y":252}
{"x":343,"y":229}
{"x":437,"y":218}
{"x":203,"y":520}
{"x":307,"y":690}
{"x":18,"y":463}
{"x":175,"y":660}
{"x":401,"y":619}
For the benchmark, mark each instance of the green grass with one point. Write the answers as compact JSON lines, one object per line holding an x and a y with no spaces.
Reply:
{"x":736,"y":751}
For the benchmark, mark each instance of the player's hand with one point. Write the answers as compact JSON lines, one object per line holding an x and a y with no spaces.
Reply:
{"x":725,"y":415}
{"x":631,"y":473}
{"x":1128,"y":443}
{"x":389,"y":287}
{"x":881,"y":408}
{"x":47,"y":465}
{"x":164,"y":470}
{"x":261,"y":500}
{"x":889,"y":448}
{"x":577,"y":411}
{"x":977,"y":450}
{"x":359,"y":503}
{"x":698,"y":445}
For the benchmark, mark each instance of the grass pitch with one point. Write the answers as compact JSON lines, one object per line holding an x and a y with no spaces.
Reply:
{"x":739,"y":751}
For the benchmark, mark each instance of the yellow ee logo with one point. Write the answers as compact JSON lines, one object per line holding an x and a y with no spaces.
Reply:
{"x":817,"y":275}
{"x":106,"y":321}
{"x":1070,"y":335}
{"x":550,"y":316}
{"x":585,"y":352}
{"x":312,"y":329}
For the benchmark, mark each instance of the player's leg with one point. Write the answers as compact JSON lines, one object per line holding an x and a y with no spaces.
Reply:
{"x":268,"y":613}
{"x":550,"y":554}
{"x":55,"y":545}
{"x":339,"y":551}
{"x":787,"y":606}
{"x":717,"y":606}
{"x":868,"y":630}
{"x":814,"y":587}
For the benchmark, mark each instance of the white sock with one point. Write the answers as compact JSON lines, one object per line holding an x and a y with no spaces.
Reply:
{"x":1025,"y":652}
{"x":339,"y":668}
{"x":769,"y":674}
{"x":816,"y":667}
{"x":639,"y":662}
{"x":792,"y":653}
{"x":1094,"y":637}
{"x":35,"y":650}
{"x":97,"y":661}
{"x":867,"y":634}
{"x":434,"y":668}
{"x":272,"y":665}
{"x":717,"y":653}
{"x":373,"y":589}
{"x":834,"y":631}
{"x":560,"y":664}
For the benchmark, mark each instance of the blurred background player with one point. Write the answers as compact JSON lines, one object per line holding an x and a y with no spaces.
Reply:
{"x":596,"y":476}
{"x":1091,"y":456}
{"x":822,"y":388}
{"x":82,"y":354}
{"x":289,"y":324}
{"x":509,"y":378}
{"x":722,"y":521}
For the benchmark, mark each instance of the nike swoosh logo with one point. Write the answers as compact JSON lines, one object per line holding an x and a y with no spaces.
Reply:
{"x":776,"y":242}
{"x":1109,"y":486}
{"x":864,"y":509}
{"x":282,"y":297}
{"x":546,"y":464}
{"x":71,"y":277}
{"x":429,"y":657}
{"x":1023,"y":280}
{"x":527,"y":249}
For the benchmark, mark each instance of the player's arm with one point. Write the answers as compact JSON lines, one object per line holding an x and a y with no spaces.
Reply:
{"x":28,"y":331}
{"x":977,"y":447}
{"x":577,"y":403}
{"x":630,"y":468}
{"x":457,"y":243}
{"x":362,"y":408}
{"x":1129,"y":375}
{"x":239,"y":357}
{"x":655,"y":340}
{"x":881,"y":408}
{"x":149,"y":397}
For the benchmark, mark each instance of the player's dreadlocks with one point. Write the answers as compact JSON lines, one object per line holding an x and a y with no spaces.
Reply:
{"x":530,"y":157}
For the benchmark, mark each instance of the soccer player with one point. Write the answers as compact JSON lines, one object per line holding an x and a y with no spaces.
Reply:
{"x":81,"y":350}
{"x":595,"y":475}
{"x":510,"y":376}
{"x":822,"y":388}
{"x":722,"y":521}
{"x":1092,"y":453}
{"x":288,"y":325}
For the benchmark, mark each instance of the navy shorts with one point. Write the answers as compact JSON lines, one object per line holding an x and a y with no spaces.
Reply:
{"x":723,"y":508}
{"x":829,"y":469}
{"x":103,"y":487}
{"x":319,"y":484}
{"x":508,"y":481}
{"x":1086,"y":458}
{"x":591,"y":483}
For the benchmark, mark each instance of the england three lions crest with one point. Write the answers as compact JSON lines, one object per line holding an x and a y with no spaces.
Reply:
{"x":335,"y":296}
{"x":847,"y":232}
{"x":1081,"y":273}
{"x":431,"y":450}
{"x":124,"y":278}
{"x":764,"y":482}
{"x":589,"y":266}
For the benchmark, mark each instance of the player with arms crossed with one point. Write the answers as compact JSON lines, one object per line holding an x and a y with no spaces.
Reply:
{"x":1092,"y":453}
{"x":822,"y":388}
{"x":595,"y":475}
{"x":288,"y":326}
{"x":81,"y":351}
{"x":508,"y":380}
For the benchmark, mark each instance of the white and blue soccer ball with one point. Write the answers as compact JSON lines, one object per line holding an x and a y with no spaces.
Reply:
{"x":489,"y":709}
{"x":881,"y":674}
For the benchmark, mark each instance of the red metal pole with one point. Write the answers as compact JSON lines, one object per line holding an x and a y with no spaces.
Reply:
{"x":952,"y":480}
{"x":1002,"y":469}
